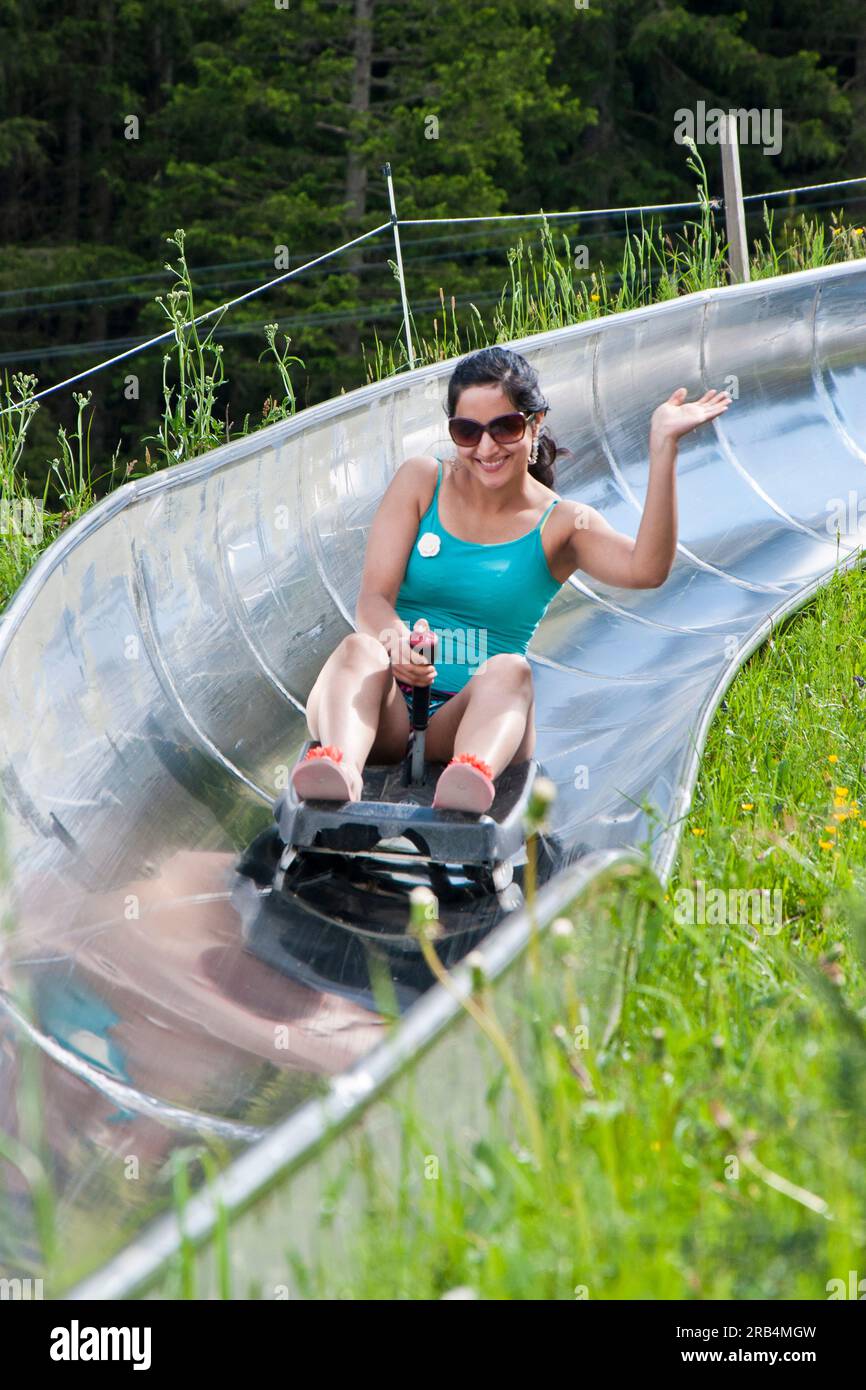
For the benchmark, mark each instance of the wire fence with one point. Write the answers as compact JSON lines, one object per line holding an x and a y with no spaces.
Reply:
{"x":259,"y":263}
{"x":128,"y":348}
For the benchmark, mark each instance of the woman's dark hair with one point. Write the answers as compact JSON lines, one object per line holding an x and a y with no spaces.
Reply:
{"x":499,"y":366}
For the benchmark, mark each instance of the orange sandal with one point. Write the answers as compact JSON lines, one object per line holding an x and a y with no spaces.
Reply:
{"x":319,"y":776}
{"x":466,"y":784}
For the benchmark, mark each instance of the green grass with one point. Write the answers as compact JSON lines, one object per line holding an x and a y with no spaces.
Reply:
{"x":713,"y":1147}
{"x":193,"y":372}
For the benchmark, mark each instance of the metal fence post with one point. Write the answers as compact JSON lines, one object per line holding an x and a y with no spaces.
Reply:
{"x":735,"y":213}
{"x":386,"y":170}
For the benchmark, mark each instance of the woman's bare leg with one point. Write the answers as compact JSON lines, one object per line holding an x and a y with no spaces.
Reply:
{"x":492,"y":716}
{"x":355,"y":703}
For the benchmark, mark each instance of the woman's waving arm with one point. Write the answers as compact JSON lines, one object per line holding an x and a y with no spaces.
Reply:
{"x":645,"y":562}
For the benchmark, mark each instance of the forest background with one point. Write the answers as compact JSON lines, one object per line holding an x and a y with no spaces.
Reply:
{"x":260,"y":127}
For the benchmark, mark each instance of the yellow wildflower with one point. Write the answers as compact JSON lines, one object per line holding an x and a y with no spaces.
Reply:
{"x":832,"y":758}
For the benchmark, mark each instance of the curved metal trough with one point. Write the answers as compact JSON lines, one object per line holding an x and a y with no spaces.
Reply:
{"x":153,"y":672}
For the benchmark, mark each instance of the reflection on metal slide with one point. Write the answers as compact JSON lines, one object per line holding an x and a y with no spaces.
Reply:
{"x":153,"y":673}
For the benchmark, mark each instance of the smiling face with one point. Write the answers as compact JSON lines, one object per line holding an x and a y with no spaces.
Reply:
{"x":492,"y":462}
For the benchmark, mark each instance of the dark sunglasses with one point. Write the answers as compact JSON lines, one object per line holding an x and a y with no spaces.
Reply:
{"x":505,"y":429}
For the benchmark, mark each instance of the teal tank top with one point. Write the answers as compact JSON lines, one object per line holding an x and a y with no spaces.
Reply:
{"x":479,"y":599}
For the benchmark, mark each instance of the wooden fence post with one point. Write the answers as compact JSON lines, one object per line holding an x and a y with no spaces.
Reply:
{"x":735,"y":213}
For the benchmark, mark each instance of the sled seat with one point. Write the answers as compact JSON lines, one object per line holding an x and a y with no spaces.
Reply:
{"x":393,"y":808}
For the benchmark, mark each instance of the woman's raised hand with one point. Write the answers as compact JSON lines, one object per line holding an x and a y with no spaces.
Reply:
{"x":676,"y":416}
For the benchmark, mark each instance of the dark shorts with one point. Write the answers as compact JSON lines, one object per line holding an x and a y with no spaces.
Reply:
{"x":438,"y":698}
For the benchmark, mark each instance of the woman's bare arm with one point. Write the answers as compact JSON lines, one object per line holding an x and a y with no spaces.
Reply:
{"x":389,"y":543}
{"x":646,"y":561}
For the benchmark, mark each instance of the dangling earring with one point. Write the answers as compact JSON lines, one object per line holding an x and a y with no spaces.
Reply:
{"x":533,"y":453}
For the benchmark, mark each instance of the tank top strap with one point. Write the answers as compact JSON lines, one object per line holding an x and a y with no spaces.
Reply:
{"x":432,"y":513}
{"x":547,"y":514}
